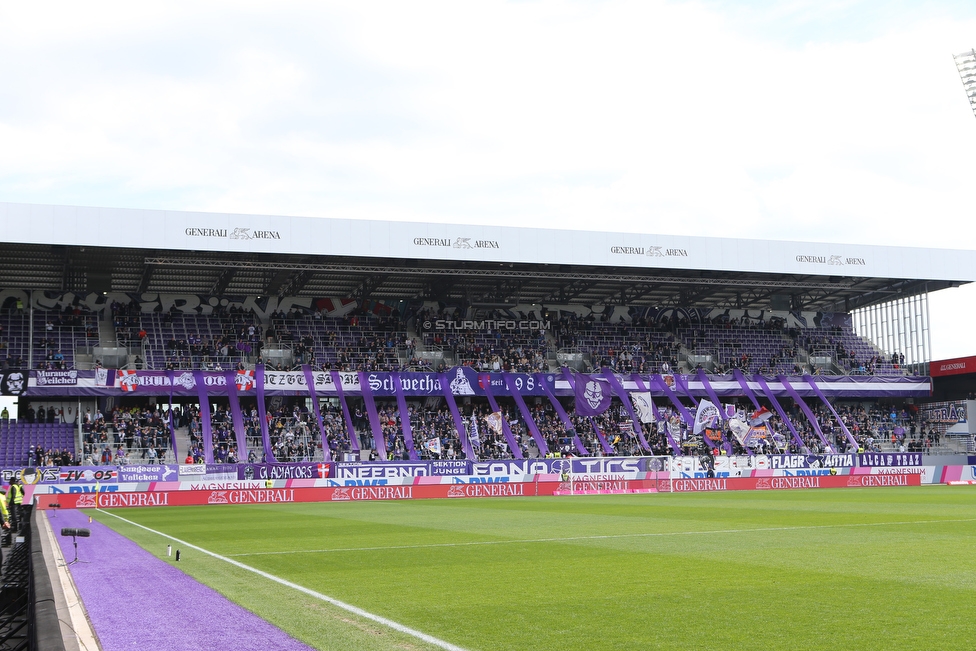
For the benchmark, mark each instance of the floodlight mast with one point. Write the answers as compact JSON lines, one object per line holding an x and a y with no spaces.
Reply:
{"x":966,"y":64}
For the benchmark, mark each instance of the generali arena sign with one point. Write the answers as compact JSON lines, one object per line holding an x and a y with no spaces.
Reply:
{"x":957,"y":366}
{"x":108,"y":500}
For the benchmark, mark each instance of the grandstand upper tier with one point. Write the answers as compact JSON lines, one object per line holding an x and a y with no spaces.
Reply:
{"x":105,"y":249}
{"x":185,"y":289}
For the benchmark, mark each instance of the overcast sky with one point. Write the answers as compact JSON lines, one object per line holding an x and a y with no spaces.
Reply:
{"x":810,"y":120}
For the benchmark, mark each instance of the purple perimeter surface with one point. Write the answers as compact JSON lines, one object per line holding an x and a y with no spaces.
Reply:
{"x":137,"y":601}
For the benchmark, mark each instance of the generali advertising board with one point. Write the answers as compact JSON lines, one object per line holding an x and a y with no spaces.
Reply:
{"x":111,"y":500}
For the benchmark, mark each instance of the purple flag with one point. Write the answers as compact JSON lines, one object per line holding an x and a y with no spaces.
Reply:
{"x":506,"y":429}
{"x":593,"y":396}
{"x":172,"y":425}
{"x":263,"y":414}
{"x":840,"y":421}
{"x":235,"y":415}
{"x":625,"y":399}
{"x":458,"y":420}
{"x":540,"y":441}
{"x":374,"y":417}
{"x":404,"y":418}
{"x":563,"y":416}
{"x":350,"y":429}
{"x":310,"y":383}
{"x":205,"y":429}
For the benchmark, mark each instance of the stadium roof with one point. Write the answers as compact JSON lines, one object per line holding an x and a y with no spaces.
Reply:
{"x":107,"y":249}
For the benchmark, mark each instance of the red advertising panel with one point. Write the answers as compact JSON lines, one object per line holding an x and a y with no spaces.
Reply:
{"x":956,"y":366}
{"x":512,"y":489}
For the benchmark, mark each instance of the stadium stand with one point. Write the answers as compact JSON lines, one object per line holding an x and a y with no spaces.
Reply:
{"x":392,"y":297}
{"x":30,"y":444}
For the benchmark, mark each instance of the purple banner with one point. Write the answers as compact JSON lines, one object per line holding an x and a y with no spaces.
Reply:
{"x":385,"y":470}
{"x":463,"y":381}
{"x":146,"y":472}
{"x":889,"y":459}
{"x":596,"y":430}
{"x":103,"y":383}
{"x":220,"y":471}
{"x":595,"y":465}
{"x":450,"y":467}
{"x":303,"y":470}
{"x":56,"y":378}
{"x":804,"y":461}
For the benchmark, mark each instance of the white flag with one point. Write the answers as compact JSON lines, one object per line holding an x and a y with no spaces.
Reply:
{"x":643,"y":405}
{"x":494,"y":421}
{"x":706,"y":412}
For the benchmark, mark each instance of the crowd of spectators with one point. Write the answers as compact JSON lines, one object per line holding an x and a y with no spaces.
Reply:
{"x":39,"y":456}
{"x":488,"y":349}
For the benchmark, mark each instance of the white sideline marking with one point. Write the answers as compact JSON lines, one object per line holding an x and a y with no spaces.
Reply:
{"x":516,"y":541}
{"x":312,"y":593}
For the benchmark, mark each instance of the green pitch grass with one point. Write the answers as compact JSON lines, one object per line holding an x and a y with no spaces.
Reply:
{"x":891,"y":568}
